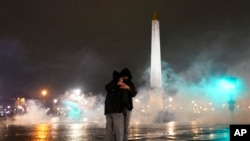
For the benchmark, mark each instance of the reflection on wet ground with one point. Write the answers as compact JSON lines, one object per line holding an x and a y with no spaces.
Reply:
{"x":53,"y":132}
{"x":96,"y":132}
{"x":180,"y":133}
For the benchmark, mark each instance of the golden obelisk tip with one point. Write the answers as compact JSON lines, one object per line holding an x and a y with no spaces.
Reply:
{"x":155,"y":15}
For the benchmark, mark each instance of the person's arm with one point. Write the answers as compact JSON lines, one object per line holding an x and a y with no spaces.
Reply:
{"x":111,"y":86}
{"x":132,"y":90}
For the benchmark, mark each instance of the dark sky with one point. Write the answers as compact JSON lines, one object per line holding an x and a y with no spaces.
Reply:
{"x":60,"y":45}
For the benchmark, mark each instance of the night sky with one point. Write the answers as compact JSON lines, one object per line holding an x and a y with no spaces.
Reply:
{"x":59,"y":45}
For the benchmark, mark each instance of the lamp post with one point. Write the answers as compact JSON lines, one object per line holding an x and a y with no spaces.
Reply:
{"x":54,"y":107}
{"x":44,"y":93}
{"x":229,"y":84}
{"x":231,"y":104}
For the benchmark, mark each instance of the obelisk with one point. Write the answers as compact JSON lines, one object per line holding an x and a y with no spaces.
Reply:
{"x":156,"y":94}
{"x":155,"y":54}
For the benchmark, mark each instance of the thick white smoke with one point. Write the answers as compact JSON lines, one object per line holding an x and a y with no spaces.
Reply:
{"x":73,"y":106}
{"x":185,"y":99}
{"x":35,"y":114}
{"x":188,"y":94}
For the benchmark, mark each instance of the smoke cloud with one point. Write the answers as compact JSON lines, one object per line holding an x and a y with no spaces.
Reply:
{"x":189,"y":96}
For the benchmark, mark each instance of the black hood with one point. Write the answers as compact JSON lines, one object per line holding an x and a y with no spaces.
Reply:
{"x":126,"y":72}
{"x":116,"y":75}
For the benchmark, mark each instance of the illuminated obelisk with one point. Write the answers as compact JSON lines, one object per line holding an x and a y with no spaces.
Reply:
{"x":156,"y":95}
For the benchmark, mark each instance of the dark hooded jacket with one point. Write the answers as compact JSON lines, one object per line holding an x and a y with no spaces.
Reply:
{"x":113,"y":100}
{"x":132,"y":92}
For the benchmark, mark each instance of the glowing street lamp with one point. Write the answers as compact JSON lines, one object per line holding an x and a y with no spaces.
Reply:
{"x":77,"y":91}
{"x":170,"y":99}
{"x":55,"y":101}
{"x":44,"y":92}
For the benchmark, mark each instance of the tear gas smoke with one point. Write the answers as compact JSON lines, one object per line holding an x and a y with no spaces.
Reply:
{"x":191,"y":96}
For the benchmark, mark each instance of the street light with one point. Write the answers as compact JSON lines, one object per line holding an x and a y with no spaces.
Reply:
{"x":228,"y":83}
{"x":44,"y":93}
{"x":55,"y":101}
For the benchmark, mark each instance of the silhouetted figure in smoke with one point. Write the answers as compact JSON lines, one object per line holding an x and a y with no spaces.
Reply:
{"x":118,"y":105}
{"x":128,"y":86}
{"x":113,"y":109}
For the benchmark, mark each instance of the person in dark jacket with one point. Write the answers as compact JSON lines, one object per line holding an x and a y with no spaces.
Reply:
{"x":128,"y":85}
{"x":113,"y":110}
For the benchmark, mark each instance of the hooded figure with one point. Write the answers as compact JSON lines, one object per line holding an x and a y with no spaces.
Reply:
{"x":126,"y":72}
{"x":113,"y":110}
{"x":113,"y":100}
{"x":116,"y":76}
{"x":127,"y":77}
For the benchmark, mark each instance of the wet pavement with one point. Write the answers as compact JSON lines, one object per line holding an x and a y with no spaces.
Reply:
{"x":96,"y":132}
